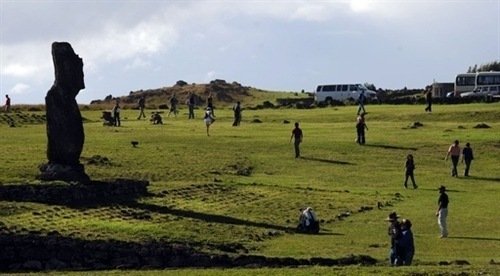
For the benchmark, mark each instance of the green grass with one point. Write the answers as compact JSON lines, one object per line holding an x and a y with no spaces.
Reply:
{"x":198,"y":176}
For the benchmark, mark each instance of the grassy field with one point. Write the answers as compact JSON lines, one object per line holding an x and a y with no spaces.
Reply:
{"x":248,"y":177}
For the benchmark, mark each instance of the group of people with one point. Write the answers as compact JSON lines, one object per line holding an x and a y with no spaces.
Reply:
{"x":209,"y":116}
{"x":402,"y":244}
{"x":467,"y":157}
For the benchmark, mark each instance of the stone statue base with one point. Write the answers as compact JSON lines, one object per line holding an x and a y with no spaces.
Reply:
{"x":74,"y":173}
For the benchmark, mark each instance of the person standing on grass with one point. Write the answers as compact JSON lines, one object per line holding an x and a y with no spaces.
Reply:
{"x":7,"y":104}
{"x":297,"y":136}
{"x":428,"y":100}
{"x":116,"y":113}
{"x":410,"y":167}
{"x":406,"y":243}
{"x":237,"y":114}
{"x":467,"y":156}
{"x":191,"y":102}
{"x":394,"y":231}
{"x":210,"y":103}
{"x":361,"y":103}
{"x":360,"y":128}
{"x":442,"y":211}
{"x":141,"y":104}
{"x":209,"y":119}
{"x":454,"y":152}
{"x":173,"y":106}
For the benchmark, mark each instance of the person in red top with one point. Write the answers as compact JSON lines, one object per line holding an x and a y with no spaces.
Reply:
{"x":297,"y":134}
{"x":454,"y":152}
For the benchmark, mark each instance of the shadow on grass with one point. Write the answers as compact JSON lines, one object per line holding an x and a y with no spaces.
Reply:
{"x":97,"y":194}
{"x":494,"y":179}
{"x":475,"y":238}
{"x":327,"y":161}
{"x":390,"y":147}
{"x":207,"y":217}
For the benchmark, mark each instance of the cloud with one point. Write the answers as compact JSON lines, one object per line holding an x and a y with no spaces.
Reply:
{"x":211,"y":75}
{"x":20,"y":88}
{"x":19,"y":70}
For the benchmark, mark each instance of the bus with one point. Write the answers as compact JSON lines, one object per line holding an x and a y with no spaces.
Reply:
{"x":476,"y":81}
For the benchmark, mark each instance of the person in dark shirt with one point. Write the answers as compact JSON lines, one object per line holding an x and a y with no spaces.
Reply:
{"x":7,"y":104}
{"x":394,"y":231}
{"x":191,"y":103}
{"x":297,"y":135}
{"x":141,"y":104}
{"x":406,"y":243}
{"x":360,"y":129}
{"x":428,"y":99}
{"x":237,"y":114}
{"x":410,"y":167}
{"x":361,"y":103}
{"x":442,"y":211}
{"x":467,"y":156}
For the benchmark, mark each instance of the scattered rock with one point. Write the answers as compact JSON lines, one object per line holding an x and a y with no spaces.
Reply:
{"x":257,"y":121}
{"x":461,"y":127}
{"x":286,"y":122}
{"x":416,"y":125}
{"x":482,"y":125}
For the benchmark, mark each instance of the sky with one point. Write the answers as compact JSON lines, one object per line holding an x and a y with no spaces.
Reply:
{"x":278,"y":45}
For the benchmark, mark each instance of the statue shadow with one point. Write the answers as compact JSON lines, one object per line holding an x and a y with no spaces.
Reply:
{"x":118,"y":192}
{"x":93,"y":194}
{"x":327,"y":161}
{"x":391,"y":147}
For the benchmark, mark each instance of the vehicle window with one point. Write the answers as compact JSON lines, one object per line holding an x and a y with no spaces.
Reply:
{"x":353,"y":87}
{"x":328,"y":88}
{"x":494,"y":88}
{"x":344,"y":87}
{"x":318,"y":89}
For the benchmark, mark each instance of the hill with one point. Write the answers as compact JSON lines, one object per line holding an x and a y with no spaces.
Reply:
{"x":224,"y":94}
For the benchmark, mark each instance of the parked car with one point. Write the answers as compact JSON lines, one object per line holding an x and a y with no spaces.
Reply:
{"x":482,"y":91}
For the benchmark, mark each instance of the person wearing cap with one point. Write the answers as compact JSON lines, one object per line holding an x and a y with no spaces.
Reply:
{"x":406,"y":244}
{"x":394,"y":231}
{"x":467,"y":156}
{"x":209,"y":119}
{"x":454,"y":152}
{"x":442,"y":211}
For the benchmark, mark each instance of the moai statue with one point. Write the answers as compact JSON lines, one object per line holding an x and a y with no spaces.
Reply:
{"x":64,"y":121}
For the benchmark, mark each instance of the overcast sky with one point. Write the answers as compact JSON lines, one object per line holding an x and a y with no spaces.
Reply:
{"x":280,"y":45}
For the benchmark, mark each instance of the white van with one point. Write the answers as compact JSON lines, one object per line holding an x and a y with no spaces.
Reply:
{"x":342,"y":92}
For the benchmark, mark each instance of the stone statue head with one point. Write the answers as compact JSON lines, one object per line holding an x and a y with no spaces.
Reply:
{"x":68,"y":67}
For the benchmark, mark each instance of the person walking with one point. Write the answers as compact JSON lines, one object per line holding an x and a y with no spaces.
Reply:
{"x":191,"y":103}
{"x":141,"y":104}
{"x":7,"y":104}
{"x":454,"y":152}
{"x":209,"y":119}
{"x":409,"y":167}
{"x":210,"y":103}
{"x":173,"y":106}
{"x":297,"y":135}
{"x":237,"y":114}
{"x":360,"y":128}
{"x":361,"y":103}
{"x":394,"y":231}
{"x":428,"y":100}
{"x":116,"y":113}
{"x":442,"y":211}
{"x":467,"y":157}
{"x":406,"y":244}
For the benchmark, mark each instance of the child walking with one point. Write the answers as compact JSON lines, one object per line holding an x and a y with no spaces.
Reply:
{"x":410,"y":167}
